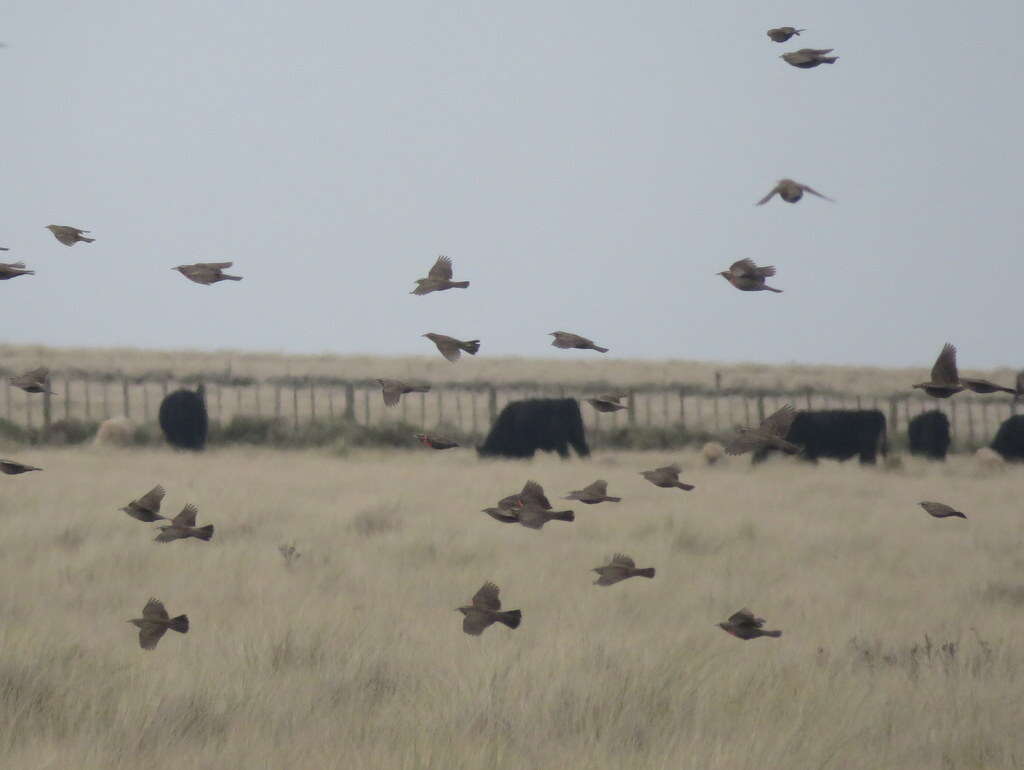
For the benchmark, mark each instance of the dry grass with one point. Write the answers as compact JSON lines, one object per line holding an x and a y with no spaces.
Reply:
{"x":901,"y":645}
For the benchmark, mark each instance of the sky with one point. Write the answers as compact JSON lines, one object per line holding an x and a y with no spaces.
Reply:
{"x":588,"y":166}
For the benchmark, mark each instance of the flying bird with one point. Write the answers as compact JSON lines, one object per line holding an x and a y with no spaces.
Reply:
{"x":790,"y":192}
{"x":393,"y":390}
{"x":439,"y":278}
{"x":529,"y":507}
{"x":569,"y":340}
{"x":806,"y":58}
{"x":69,"y":236}
{"x":593,"y":494}
{"x":206,"y":273}
{"x":945,"y":380}
{"x":13,"y":468}
{"x":782,"y":34}
{"x":452,"y":348}
{"x":147,"y":507}
{"x":985,"y":386}
{"x":941,"y":510}
{"x":532,"y":492}
{"x":435,"y":442}
{"x":485,"y":609}
{"x":747,"y":276}
{"x":608,"y":402}
{"x":184,"y":525}
{"x":620,"y":568}
{"x":770,"y":433}
{"x":667,"y":477}
{"x":33,"y":381}
{"x":10,"y":270}
{"x":743,"y":625}
{"x":154,"y":624}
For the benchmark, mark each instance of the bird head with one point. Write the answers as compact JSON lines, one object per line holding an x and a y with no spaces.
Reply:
{"x":725,"y":274}
{"x":51,"y":228}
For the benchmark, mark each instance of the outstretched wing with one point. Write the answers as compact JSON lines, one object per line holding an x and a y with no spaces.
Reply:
{"x":743,"y":268}
{"x":745,"y":617}
{"x":155,"y":609}
{"x":213,"y":265}
{"x":598,"y":489}
{"x":621,"y":560}
{"x":475,"y":622}
{"x":779,"y":422}
{"x":150,"y":634}
{"x":187,"y":517}
{"x":743,"y":442}
{"x":811,"y":190}
{"x":534,"y":493}
{"x":442,"y":269}
{"x":768,"y":197}
{"x":487,"y":597}
{"x":945,"y":372}
{"x":152,"y":499}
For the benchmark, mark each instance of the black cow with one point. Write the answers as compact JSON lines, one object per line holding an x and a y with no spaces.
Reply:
{"x":1009,"y":440}
{"x":929,"y":435}
{"x":836,"y":433}
{"x":523,"y":427}
{"x":183,"y":419}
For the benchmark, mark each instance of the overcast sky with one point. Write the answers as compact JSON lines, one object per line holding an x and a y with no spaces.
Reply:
{"x":588,"y":167}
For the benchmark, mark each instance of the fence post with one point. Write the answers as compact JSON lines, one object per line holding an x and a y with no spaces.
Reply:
{"x":46,"y":411}
{"x":682,"y":407}
{"x":88,"y":401}
{"x":894,"y":423}
{"x":124,"y":394}
{"x":295,"y":406}
{"x":106,"y":400}
{"x":631,"y":406}
{"x":807,"y":398}
{"x":67,"y":398}
{"x":145,"y":401}
{"x":277,"y":401}
{"x":312,"y":402}
{"x":970,"y":423}
{"x":492,"y":403}
{"x":366,"y":408}
{"x":423,"y":411}
{"x":760,"y":407}
{"x":350,"y":402}
{"x":458,"y":410}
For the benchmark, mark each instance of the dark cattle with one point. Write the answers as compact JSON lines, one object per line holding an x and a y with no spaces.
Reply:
{"x":929,"y":435}
{"x":1009,"y":440}
{"x":183,"y":419}
{"x":523,"y":427}
{"x":837,"y":433}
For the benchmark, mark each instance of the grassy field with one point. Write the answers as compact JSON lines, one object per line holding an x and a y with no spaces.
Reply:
{"x":901,"y":643}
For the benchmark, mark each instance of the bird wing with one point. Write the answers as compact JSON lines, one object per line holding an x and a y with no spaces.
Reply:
{"x":187,"y":517}
{"x":442,"y":269}
{"x":151,"y":500}
{"x":38,"y":374}
{"x":391,"y":391}
{"x":766,"y":272}
{"x":815,"y":51}
{"x":534,"y":493}
{"x":944,"y":371}
{"x":448,"y":347}
{"x":768,"y":197}
{"x":532,"y":516}
{"x":745,"y":617}
{"x":155,"y":609}
{"x":167,"y":534}
{"x":743,"y":442}
{"x":937,"y":509}
{"x":150,"y":634}
{"x":475,"y":622}
{"x":812,"y":191}
{"x":213,"y":265}
{"x":612,"y":397}
{"x":621,"y":560}
{"x":487,"y":597}
{"x":669,"y":470}
{"x":598,"y":489}
{"x":504,"y":516}
{"x":779,"y":422}
{"x":743,"y":268}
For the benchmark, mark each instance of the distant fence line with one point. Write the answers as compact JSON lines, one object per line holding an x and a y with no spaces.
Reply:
{"x":470,"y":408}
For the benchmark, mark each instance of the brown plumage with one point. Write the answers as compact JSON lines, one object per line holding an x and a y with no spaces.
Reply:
{"x":529,"y":507}
{"x":747,"y":276}
{"x":10,"y":270}
{"x":435,"y":442}
{"x":619,"y":568}
{"x":147,"y":507}
{"x":452,"y":348}
{"x":485,"y":609}
{"x":393,"y":390}
{"x":985,"y":386}
{"x":743,"y":625}
{"x":945,"y":380}
{"x":207,"y":273}
{"x":532,"y":492}
{"x":667,"y":477}
{"x":592,"y":494}
{"x":941,"y":510}
{"x":534,"y":516}
{"x":782,"y":34}
{"x":184,"y":525}
{"x":568,"y":340}
{"x":69,"y":236}
{"x":33,"y":381}
{"x":154,"y":624}
{"x":608,"y":402}
{"x":790,"y":192}
{"x":13,"y":468}
{"x":806,"y":58}
{"x":770,"y":433}
{"x":439,"y":278}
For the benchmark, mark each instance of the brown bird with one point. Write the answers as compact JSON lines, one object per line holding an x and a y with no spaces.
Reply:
{"x":941,"y":510}
{"x":619,"y":568}
{"x":147,"y":507}
{"x":667,"y":477}
{"x":13,"y":468}
{"x":782,"y":34}
{"x":435,"y":442}
{"x":985,"y":386}
{"x":790,"y":192}
{"x":1020,"y":385}
{"x":206,"y":273}
{"x":770,"y":433}
{"x":154,"y":624}
{"x":568,"y":340}
{"x":69,"y":236}
{"x":395,"y":389}
{"x":945,"y":380}
{"x":806,"y":58}
{"x":747,"y":276}
{"x":452,"y":348}
{"x":485,"y":610}
{"x":439,"y":278}
{"x":532,"y":492}
{"x":592,"y":494}
{"x":743,"y":625}
{"x":13,"y":270}
{"x":608,"y":402}
{"x":184,"y":525}
{"x":33,"y":381}
{"x":531,"y":515}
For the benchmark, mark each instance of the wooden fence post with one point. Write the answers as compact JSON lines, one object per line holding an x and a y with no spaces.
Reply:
{"x":295,"y":406}
{"x":631,"y":406}
{"x":366,"y":408}
{"x":277,"y":401}
{"x":312,"y":402}
{"x":145,"y":401}
{"x":350,"y":402}
{"x":124,"y":394}
{"x":760,"y":407}
{"x":492,"y":403}
{"x":88,"y":401}
{"x":67,"y":398}
{"x":682,"y":407}
{"x":46,"y":411}
{"x":894,"y":423}
{"x":106,"y":400}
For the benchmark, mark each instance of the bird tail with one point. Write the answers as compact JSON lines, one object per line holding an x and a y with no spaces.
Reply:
{"x":599,"y":349}
{"x":786,"y":446}
{"x":775,"y":634}
{"x":471,"y":347}
{"x":609,"y":499}
{"x":179,"y":624}
{"x":227,"y":277}
{"x":512,"y":618}
{"x":829,"y":59}
{"x":462,"y":284}
{"x":683,"y":485}
{"x":562,"y":515}
{"x":798,"y":31}
{"x":205,"y":533}
{"x":420,"y":389}
{"x":647,"y":573}
{"x":87,"y":240}
{"x":769,"y":288}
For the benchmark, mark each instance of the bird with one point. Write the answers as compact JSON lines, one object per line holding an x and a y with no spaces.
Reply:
{"x":667,"y":477}
{"x":532,"y":492}
{"x":941,"y":510}
{"x":147,"y":507}
{"x":743,"y":625}
{"x":435,"y":442}
{"x":485,"y":609}
{"x":945,"y":379}
{"x":1020,"y":385}
{"x":806,"y":58}
{"x":608,"y":402}
{"x":13,"y":468}
{"x":154,"y":624}
{"x":69,"y":236}
{"x":770,"y":433}
{"x":207,"y":273}
{"x":985,"y":386}
{"x":33,"y":381}
{"x":593,"y":494}
{"x":184,"y":525}
{"x":439,"y":278}
{"x":782,"y":34}
{"x":529,"y":507}
{"x":747,"y":276}
{"x":569,"y":340}
{"x":10,"y":270}
{"x":790,"y":192}
{"x":619,"y":568}
{"x":452,"y":348}
{"x":393,"y":390}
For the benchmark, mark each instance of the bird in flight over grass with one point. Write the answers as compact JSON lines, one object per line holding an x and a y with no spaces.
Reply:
{"x":147,"y":507}
{"x":452,"y":348}
{"x":608,"y":402}
{"x":667,"y":477}
{"x":568,"y":340}
{"x":393,"y":390}
{"x":743,"y":625}
{"x":184,"y":525}
{"x":13,"y":468}
{"x":770,"y":433}
{"x":620,"y":568}
{"x":941,"y":510}
{"x":33,"y":381}
{"x":154,"y":624}
{"x":945,"y":379}
{"x":485,"y":609}
{"x":439,"y":278}
{"x":593,"y":494}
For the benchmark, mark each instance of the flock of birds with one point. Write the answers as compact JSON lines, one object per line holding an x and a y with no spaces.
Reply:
{"x":530,"y":506}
